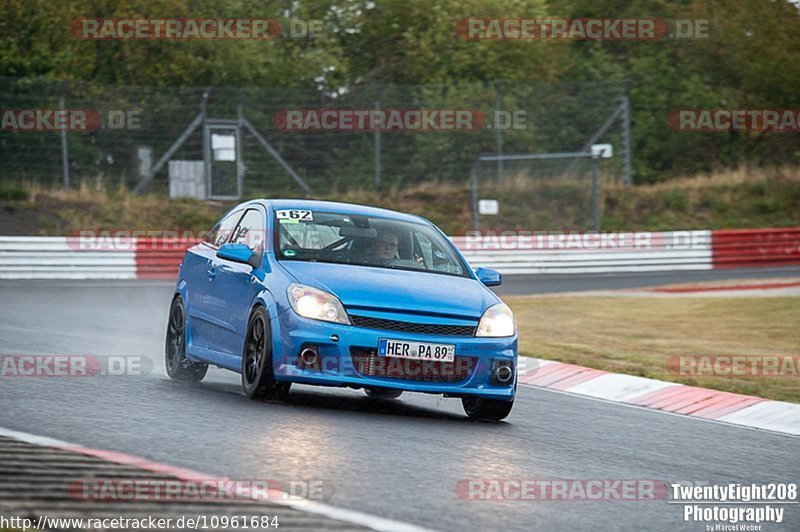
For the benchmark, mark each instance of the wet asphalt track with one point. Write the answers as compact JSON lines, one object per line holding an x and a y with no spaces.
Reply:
{"x":398,"y":459}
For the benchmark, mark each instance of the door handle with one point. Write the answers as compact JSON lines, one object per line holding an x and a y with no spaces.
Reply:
{"x":211,"y":273}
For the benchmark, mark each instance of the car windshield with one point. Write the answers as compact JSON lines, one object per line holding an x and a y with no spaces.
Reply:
{"x":305,"y":235}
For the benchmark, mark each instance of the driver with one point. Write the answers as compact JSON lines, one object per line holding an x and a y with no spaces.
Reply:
{"x":385,"y":247}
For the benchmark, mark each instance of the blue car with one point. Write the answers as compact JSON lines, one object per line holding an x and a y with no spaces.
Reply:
{"x":333,"y":294}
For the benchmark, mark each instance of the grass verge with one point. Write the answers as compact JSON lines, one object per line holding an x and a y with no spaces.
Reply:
{"x":744,"y":198}
{"x":637,"y":335}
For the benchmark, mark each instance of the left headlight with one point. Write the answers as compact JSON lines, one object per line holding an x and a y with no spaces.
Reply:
{"x":497,"y":321}
{"x":316,"y":304}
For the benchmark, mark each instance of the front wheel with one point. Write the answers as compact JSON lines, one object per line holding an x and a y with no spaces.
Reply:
{"x":179,"y":367}
{"x":488,"y":409}
{"x":258,"y":376}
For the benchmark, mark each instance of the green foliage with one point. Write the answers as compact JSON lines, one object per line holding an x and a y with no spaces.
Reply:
{"x":13,"y":193}
{"x":750,"y":60}
{"x":732,"y":200}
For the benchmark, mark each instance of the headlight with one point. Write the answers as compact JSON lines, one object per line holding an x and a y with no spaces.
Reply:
{"x":316,"y":304}
{"x":497,"y":321}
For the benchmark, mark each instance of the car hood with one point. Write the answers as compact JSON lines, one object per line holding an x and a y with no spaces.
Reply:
{"x":387,"y":289}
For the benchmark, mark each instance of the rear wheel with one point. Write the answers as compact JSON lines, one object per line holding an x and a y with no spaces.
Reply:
{"x":258,"y":376}
{"x":489,"y":409}
{"x":179,"y":367}
{"x":383,"y":393}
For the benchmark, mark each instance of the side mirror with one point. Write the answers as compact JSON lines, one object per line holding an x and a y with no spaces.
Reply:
{"x":239,"y":253}
{"x":489,"y":277}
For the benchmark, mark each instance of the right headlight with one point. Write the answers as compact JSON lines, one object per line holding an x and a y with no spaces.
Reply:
{"x":497,"y":321}
{"x":316,"y":304}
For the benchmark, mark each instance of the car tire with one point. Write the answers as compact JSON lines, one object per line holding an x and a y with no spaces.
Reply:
{"x":383,"y":393}
{"x":486,"y":409}
{"x":179,"y":367}
{"x":258,"y":375}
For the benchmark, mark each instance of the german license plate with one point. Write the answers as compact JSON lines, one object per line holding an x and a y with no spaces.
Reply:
{"x":416,"y":350}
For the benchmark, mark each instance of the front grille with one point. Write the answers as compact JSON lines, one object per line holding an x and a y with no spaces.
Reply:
{"x":411,"y":327}
{"x":369,"y":364}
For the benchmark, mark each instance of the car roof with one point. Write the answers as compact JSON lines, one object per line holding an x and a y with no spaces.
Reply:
{"x":341,"y":208}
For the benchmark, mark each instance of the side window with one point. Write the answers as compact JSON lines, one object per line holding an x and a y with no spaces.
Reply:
{"x":424,"y":250}
{"x":250,"y":231}
{"x":219,"y":233}
{"x":436,"y":257}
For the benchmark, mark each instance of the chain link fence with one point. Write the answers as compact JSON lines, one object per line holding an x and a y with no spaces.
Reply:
{"x":132,"y":128}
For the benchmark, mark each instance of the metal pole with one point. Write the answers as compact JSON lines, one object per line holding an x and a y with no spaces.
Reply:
{"x":537,"y":156}
{"x":239,"y":161}
{"x":596,"y":192}
{"x":473,"y":178}
{"x":626,"y":133}
{"x":64,"y":152}
{"x":207,"y":169}
{"x":377,"y":135}
{"x":498,"y":135}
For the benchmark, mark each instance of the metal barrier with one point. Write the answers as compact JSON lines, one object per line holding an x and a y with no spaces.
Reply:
{"x":511,"y":253}
{"x":30,"y":257}
{"x":756,"y":247}
{"x":517,"y":252}
{"x":159,"y":259}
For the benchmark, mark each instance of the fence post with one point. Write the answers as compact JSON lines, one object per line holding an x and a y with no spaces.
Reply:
{"x":498,"y":135}
{"x":377,"y":135}
{"x":240,"y":168}
{"x":596,"y":191}
{"x":626,"y":133}
{"x":64,"y":152}
{"x":473,"y":180}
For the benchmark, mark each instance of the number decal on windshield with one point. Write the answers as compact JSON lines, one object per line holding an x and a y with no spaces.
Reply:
{"x":292,"y":214}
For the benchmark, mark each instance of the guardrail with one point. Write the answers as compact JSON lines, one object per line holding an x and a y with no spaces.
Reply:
{"x":25,"y":257}
{"x":159,"y":259}
{"x":521,"y":252}
{"x":756,"y":247}
{"x":511,"y":253}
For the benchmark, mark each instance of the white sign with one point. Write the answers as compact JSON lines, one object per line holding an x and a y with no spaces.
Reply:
{"x":223,"y":147}
{"x":604,"y":151}
{"x":488,"y":206}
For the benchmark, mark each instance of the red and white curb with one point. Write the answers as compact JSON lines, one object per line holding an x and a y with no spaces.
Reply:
{"x":702,"y":403}
{"x":725,"y":288}
{"x":283,"y":499}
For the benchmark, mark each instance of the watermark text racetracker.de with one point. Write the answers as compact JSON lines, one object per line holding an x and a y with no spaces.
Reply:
{"x":412,"y":120}
{"x":779,"y":120}
{"x":584,"y":240}
{"x":560,"y":489}
{"x":207,"y":490}
{"x":55,"y":365}
{"x":181,"y":29}
{"x":157,"y":239}
{"x":594,"y":29}
{"x":72,"y":120}
{"x":734,"y":365}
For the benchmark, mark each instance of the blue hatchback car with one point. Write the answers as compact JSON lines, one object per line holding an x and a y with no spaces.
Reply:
{"x":333,"y":294}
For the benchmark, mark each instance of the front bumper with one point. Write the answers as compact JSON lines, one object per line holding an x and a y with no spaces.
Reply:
{"x":339,"y":363}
